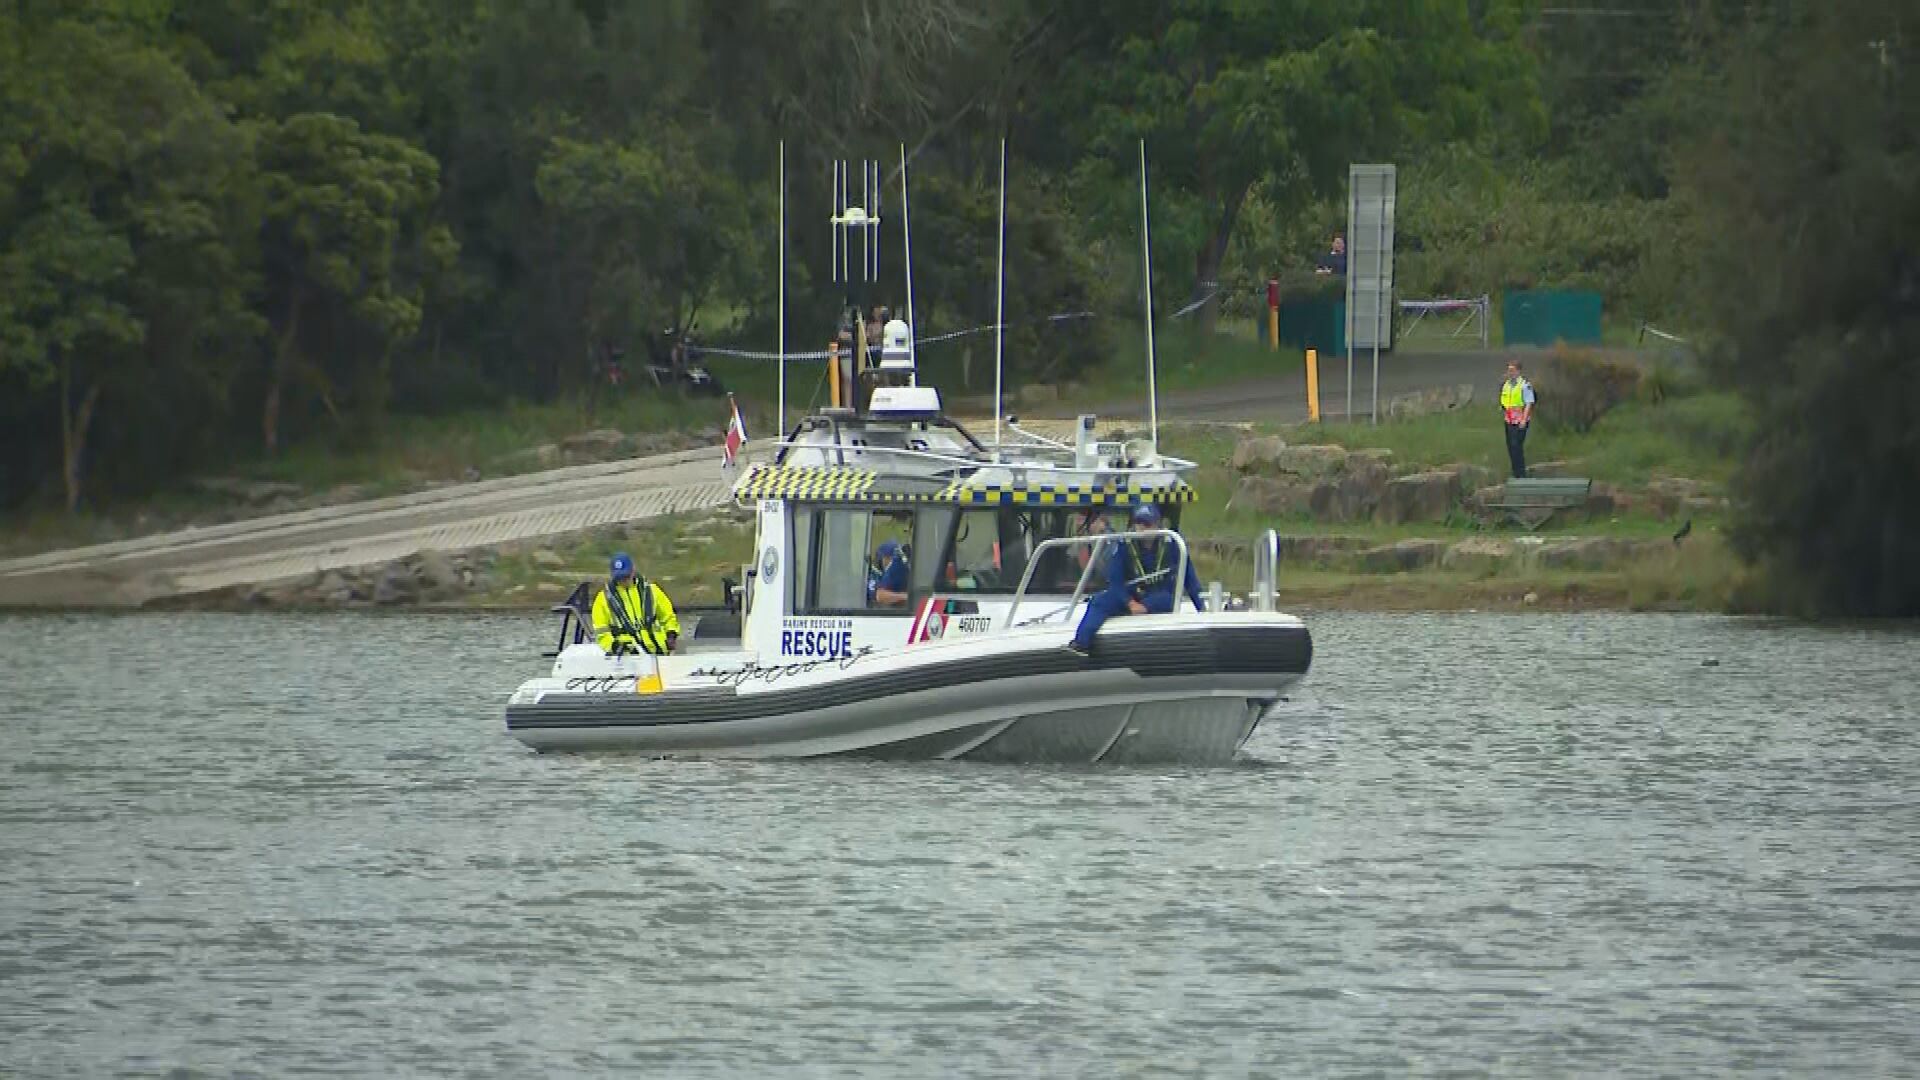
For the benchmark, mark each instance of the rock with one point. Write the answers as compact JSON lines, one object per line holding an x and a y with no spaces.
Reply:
{"x":532,"y":459}
{"x":1427,"y":496}
{"x":1667,"y":495}
{"x":1317,"y":462}
{"x":1480,"y":501}
{"x":470,"y":474}
{"x":1354,"y":495}
{"x":1601,"y":501}
{"x":1401,"y":557}
{"x":1590,"y":552}
{"x":1320,"y":551}
{"x":1372,"y":455}
{"x":1272,"y":496}
{"x":1530,"y":599}
{"x":547,"y":560}
{"x":436,"y":572}
{"x":1472,"y":477}
{"x":696,"y":539}
{"x":1704,"y":504}
{"x":394,"y":585}
{"x":1036,"y":394}
{"x":1676,"y":487}
{"x":1546,"y":469}
{"x":248,"y":491}
{"x":1478,"y":553}
{"x":1250,"y":455}
{"x":601,"y":444}
{"x":1438,"y":399}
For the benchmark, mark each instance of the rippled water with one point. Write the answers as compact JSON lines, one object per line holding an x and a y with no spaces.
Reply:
{"x":1478,"y":844}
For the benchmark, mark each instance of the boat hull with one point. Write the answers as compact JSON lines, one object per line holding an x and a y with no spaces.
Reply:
{"x":1157,"y":689}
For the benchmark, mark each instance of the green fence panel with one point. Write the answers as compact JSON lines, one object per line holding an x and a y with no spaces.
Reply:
{"x":1545,"y":316}
{"x":1312,"y":324}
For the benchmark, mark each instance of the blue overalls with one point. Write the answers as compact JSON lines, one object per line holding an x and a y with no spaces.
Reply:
{"x":1129,"y":579}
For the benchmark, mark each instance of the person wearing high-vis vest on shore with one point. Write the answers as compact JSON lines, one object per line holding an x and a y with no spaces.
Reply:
{"x":1516,"y":408}
{"x":633,"y":615}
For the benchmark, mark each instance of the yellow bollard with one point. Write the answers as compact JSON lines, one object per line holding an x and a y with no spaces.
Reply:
{"x":833,"y":373}
{"x":1313,"y":385}
{"x":1273,"y":327}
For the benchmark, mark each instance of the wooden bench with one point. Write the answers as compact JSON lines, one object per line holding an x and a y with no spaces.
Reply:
{"x":1530,"y":501}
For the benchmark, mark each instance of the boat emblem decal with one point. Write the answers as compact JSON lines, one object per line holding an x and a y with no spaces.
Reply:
{"x":770,"y":565}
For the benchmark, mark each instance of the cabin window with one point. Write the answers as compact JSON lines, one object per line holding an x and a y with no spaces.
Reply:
{"x":837,"y":561}
{"x":991,"y":548}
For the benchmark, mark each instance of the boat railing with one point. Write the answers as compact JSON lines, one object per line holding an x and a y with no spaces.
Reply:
{"x":933,"y":457}
{"x":1098,"y":543}
{"x":1266,"y":571}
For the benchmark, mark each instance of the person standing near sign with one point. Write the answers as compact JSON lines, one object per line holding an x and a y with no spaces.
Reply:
{"x":1516,"y":408}
{"x":631,"y":615}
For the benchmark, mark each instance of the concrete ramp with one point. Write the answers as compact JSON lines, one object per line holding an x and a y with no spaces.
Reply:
{"x":455,"y":518}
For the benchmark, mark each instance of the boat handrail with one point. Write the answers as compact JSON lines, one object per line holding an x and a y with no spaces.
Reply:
{"x":1266,"y":570}
{"x":1163,"y":464}
{"x":1098,"y":542}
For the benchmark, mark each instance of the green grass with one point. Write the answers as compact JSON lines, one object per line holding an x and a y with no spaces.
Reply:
{"x":686,"y":555}
{"x":401,"y":453}
{"x":1697,"y":437}
{"x":404,"y":451}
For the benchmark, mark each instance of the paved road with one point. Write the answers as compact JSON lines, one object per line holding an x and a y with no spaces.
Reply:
{"x":133,"y":572}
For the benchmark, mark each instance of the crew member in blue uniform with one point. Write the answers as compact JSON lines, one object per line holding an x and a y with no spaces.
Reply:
{"x":1139,"y":581}
{"x":888,"y":588}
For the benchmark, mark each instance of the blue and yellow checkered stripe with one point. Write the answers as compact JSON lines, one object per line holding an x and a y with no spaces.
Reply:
{"x":804,"y":484}
{"x":1111,"y":494}
{"x":813,"y":484}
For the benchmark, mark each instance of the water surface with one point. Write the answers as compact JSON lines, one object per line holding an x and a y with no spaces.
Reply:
{"x":1554,"y":845}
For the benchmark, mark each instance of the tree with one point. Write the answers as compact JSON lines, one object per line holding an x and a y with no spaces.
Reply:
{"x":1809,"y":188}
{"x":115,"y":211}
{"x":1278,"y":94}
{"x":345,"y":239}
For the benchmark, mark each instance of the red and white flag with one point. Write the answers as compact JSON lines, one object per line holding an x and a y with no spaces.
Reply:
{"x":736,"y":431}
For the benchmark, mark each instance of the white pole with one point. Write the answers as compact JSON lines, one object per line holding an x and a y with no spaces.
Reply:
{"x":1146,"y":274}
{"x":1000,"y":301}
{"x":1379,"y":297}
{"x":782,"y":244}
{"x":866,"y":234}
{"x":906,"y":254}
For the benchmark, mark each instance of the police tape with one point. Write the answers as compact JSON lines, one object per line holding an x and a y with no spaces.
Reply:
{"x":822,"y":354}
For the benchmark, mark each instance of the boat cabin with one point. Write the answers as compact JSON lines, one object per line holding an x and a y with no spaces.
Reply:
{"x":966,"y":524}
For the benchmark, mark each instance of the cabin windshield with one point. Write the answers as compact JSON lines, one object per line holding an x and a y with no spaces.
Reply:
{"x":991,"y":547}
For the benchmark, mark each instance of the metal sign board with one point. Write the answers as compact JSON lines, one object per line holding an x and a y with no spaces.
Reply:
{"x":1369,"y":322}
{"x":1370,"y":206}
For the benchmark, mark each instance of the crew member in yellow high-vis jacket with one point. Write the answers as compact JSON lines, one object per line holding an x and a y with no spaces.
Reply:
{"x":1516,"y":408}
{"x":634,"y":615}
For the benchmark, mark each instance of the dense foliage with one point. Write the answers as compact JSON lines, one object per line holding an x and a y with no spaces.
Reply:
{"x":228,"y":224}
{"x":231,"y":225}
{"x":1809,"y":186}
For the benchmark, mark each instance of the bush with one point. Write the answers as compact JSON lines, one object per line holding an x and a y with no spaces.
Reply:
{"x":1581,"y":386}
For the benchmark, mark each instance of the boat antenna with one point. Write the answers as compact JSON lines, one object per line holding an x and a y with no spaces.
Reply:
{"x":1146,"y":275}
{"x":906,"y":232}
{"x":782,"y":244}
{"x":1000,"y":300}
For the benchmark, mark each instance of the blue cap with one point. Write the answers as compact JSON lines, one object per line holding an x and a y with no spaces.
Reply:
{"x":1147,"y":514}
{"x":888,"y":549}
{"x":622,"y":566}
